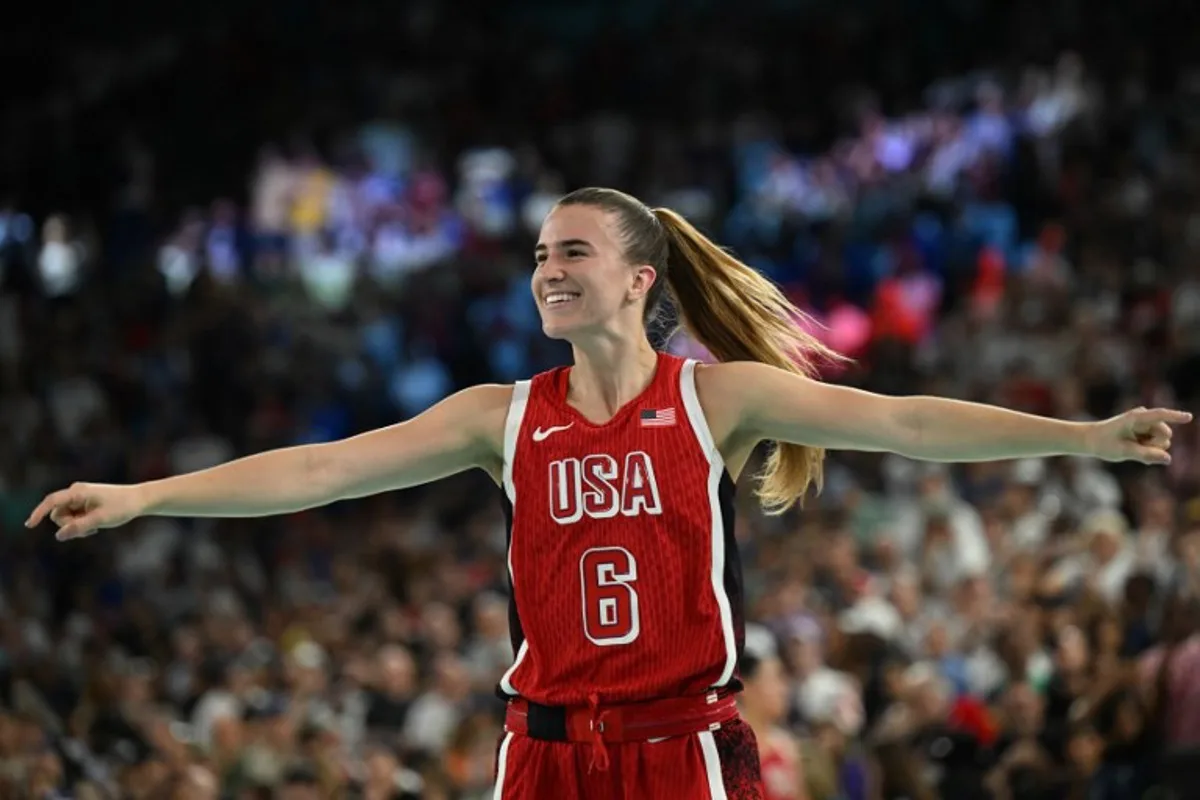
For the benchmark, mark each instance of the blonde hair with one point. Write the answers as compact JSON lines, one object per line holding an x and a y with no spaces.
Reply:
{"x":730,"y":309}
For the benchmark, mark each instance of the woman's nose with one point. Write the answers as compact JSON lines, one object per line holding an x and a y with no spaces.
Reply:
{"x":551,"y":270}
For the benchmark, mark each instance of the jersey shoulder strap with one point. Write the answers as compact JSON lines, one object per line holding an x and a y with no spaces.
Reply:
{"x":512,"y":432}
{"x":695,"y":413}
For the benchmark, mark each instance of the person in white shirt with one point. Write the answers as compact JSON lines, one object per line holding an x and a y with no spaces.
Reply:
{"x":1024,"y":501}
{"x":1110,"y":558}
{"x":964,"y":548}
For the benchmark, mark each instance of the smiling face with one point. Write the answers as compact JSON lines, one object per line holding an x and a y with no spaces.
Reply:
{"x":583,"y":284}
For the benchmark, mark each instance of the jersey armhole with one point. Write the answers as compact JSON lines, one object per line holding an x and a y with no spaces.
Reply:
{"x":512,"y":430}
{"x":695,"y":413}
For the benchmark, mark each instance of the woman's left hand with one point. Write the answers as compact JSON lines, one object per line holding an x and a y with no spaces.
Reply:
{"x":1141,"y":434}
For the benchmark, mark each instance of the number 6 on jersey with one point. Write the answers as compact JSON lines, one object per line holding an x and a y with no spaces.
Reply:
{"x":610,"y":603}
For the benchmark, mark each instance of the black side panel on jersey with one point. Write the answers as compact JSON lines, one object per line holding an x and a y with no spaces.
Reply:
{"x":733,"y":579}
{"x":515,"y":632}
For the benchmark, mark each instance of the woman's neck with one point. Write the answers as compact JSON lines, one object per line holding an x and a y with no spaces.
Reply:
{"x":608,"y":374}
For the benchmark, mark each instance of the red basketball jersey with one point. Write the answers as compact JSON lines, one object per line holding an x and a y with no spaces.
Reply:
{"x":626,"y":582}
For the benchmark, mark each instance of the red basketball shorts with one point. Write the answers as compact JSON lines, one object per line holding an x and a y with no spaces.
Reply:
{"x":721,"y":764}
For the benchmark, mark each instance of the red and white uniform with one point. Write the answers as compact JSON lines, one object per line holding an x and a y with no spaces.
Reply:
{"x":782,"y":774}
{"x":625,"y":577}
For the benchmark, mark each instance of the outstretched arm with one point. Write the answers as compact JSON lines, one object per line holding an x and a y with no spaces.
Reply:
{"x":771,"y":404}
{"x":461,"y":432}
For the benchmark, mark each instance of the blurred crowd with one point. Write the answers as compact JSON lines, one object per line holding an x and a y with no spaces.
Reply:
{"x":1009,"y":213}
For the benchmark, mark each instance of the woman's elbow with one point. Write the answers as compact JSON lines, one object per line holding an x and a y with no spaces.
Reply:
{"x":905,"y":422}
{"x":325,"y":470}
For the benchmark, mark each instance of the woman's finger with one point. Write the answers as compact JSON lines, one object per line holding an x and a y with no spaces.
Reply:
{"x":50,"y":502}
{"x":1146,"y":418}
{"x":78,"y":528}
{"x":1151,"y":455}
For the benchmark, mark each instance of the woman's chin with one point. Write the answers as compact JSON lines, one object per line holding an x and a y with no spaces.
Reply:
{"x":559,"y":328}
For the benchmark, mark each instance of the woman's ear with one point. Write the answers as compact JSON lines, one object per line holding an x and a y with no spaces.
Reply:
{"x":643,"y":281}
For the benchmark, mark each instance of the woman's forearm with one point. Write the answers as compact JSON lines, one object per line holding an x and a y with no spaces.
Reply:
{"x":273,"y":482}
{"x":940,"y":429}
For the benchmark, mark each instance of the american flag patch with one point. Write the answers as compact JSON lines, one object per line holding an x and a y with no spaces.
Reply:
{"x":657,"y":417}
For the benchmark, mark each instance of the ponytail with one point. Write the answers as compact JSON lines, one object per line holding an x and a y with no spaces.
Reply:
{"x":739,"y":315}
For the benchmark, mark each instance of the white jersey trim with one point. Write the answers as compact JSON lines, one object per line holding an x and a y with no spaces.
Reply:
{"x":712,"y":765}
{"x":716,"y":470}
{"x":502,"y":767}
{"x":506,"y":680}
{"x":512,"y":430}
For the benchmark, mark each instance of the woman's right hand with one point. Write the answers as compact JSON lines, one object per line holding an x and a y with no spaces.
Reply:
{"x":85,"y":508}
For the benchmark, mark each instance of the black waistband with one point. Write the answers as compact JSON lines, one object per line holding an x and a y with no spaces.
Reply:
{"x":548,"y":723}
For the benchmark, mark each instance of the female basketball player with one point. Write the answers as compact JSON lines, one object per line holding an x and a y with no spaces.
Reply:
{"x":618,"y":472}
{"x":764,"y":705}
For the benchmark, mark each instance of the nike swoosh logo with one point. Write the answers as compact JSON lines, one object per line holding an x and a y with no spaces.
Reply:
{"x":540,"y":435}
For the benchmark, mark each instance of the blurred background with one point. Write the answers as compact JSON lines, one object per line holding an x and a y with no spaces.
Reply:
{"x":231,"y":226}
